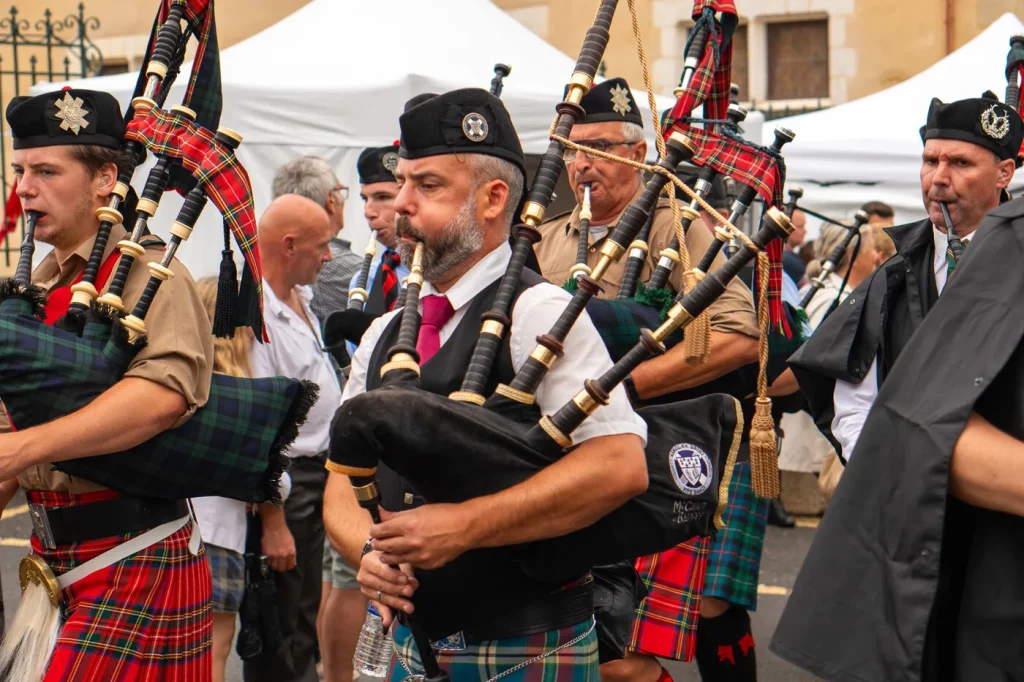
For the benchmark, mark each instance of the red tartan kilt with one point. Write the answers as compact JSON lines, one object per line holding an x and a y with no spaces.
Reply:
{"x":666,"y":622}
{"x":148,"y":617}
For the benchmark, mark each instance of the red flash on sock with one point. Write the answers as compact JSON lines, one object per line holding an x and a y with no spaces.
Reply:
{"x":746,"y":643}
{"x":665,"y":676}
{"x":725,"y":654}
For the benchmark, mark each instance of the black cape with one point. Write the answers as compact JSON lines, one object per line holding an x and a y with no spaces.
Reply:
{"x":877,"y":319}
{"x":903,"y":583}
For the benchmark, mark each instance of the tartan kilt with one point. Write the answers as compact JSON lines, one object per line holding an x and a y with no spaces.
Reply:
{"x":666,"y":621}
{"x":147,"y":617}
{"x":734,"y":562}
{"x":481,"y":662}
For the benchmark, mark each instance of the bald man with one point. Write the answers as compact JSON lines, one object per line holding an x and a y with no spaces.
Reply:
{"x":295,"y":234}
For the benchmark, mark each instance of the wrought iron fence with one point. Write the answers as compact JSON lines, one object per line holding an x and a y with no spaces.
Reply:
{"x":48,"y":49}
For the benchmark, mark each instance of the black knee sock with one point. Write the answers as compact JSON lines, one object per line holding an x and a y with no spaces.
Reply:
{"x":725,"y":648}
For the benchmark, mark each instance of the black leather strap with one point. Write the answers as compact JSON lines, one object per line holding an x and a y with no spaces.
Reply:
{"x":561,"y":609}
{"x":110,"y":518}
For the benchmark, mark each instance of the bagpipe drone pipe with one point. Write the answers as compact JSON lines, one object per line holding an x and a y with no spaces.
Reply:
{"x":233,"y":446}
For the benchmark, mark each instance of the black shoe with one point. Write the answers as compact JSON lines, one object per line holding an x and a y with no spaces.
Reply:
{"x":778,"y":516}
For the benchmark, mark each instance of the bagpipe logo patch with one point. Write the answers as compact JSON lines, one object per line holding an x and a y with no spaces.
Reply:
{"x":691,"y":468}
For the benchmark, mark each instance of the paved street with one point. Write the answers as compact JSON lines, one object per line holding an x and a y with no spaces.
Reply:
{"x":784,"y":552}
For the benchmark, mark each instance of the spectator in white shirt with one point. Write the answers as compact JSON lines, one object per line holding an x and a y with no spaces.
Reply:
{"x":295,"y":236}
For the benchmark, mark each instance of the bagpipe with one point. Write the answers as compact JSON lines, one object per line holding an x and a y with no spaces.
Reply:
{"x":468,"y":444}
{"x":1014,"y":75}
{"x":722,"y":154}
{"x":358,"y":295}
{"x":832,"y":261}
{"x":233,"y":446}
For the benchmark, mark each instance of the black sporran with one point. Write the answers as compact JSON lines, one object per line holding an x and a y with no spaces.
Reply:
{"x":260,"y":629}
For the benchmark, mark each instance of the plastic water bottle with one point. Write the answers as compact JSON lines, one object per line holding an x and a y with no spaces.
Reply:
{"x":373,"y":651}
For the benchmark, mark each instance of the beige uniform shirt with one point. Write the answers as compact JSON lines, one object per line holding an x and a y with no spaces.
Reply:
{"x":179,"y":345}
{"x":733,"y":312}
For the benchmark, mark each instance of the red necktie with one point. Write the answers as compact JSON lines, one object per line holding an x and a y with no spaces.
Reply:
{"x":437,"y":310}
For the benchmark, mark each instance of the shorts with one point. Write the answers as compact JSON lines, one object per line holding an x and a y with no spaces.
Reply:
{"x":337,"y":572}
{"x":227,"y":569}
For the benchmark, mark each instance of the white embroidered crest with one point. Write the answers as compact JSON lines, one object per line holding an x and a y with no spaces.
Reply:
{"x":620,"y":100}
{"x":71,"y":114}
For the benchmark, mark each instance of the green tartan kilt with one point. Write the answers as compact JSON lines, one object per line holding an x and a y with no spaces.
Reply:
{"x":481,"y":662}
{"x":734,"y":562}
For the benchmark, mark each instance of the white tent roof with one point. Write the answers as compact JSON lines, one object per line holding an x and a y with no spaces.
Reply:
{"x":328,"y":81}
{"x":871,"y":148}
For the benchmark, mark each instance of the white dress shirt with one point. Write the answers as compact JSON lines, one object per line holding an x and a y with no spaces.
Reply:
{"x":533,"y":314}
{"x":854,"y":401}
{"x":296,"y":351}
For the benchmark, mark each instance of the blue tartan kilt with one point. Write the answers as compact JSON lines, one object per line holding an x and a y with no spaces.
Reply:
{"x":734,"y":562}
{"x":577,"y":662}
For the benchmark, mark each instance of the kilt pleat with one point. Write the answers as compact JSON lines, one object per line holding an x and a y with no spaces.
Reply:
{"x":481,"y":662}
{"x":147,"y":618}
{"x":666,"y":620}
{"x":734,"y":562}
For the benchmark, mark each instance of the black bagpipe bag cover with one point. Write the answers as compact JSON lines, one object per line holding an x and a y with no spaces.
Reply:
{"x":450,"y":451}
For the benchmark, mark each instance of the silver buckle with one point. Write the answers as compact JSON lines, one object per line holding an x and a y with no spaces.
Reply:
{"x":41,"y":525}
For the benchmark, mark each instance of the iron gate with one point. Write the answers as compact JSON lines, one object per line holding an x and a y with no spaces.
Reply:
{"x":48,"y":49}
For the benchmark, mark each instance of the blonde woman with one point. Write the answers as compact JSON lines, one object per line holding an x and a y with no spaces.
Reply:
{"x":863,"y":265}
{"x":222,"y":520}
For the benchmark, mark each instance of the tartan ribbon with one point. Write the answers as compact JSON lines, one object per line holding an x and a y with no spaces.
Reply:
{"x":203,"y":94}
{"x":754,"y":168}
{"x":711,"y":81}
{"x":729,"y":154}
{"x":389,"y":264}
{"x":221,"y":175}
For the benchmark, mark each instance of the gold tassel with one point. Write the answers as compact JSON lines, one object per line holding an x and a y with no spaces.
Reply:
{"x":764,"y":459}
{"x":697,"y":337}
{"x":697,"y":348}
{"x":764,"y":456}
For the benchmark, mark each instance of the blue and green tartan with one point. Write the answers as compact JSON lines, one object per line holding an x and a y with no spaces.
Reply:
{"x":734,"y":562}
{"x":620,"y":322}
{"x":231,"y":447}
{"x":481,"y":662}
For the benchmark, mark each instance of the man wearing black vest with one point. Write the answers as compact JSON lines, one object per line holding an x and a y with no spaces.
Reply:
{"x":460,"y":175}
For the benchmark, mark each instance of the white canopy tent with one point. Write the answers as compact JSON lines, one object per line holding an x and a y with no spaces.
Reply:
{"x":870,"y":149}
{"x":332,"y":78}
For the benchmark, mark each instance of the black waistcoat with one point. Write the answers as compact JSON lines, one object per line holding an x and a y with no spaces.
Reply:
{"x":443,"y":374}
{"x":438,"y":606}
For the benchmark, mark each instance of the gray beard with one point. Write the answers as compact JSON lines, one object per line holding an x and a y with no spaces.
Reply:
{"x":460,"y":238}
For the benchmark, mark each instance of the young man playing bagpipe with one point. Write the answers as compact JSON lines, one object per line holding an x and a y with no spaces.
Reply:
{"x":147,"y":614}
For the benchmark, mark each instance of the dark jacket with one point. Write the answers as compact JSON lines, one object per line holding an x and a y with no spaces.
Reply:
{"x":903,"y":583}
{"x":877,"y":319}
